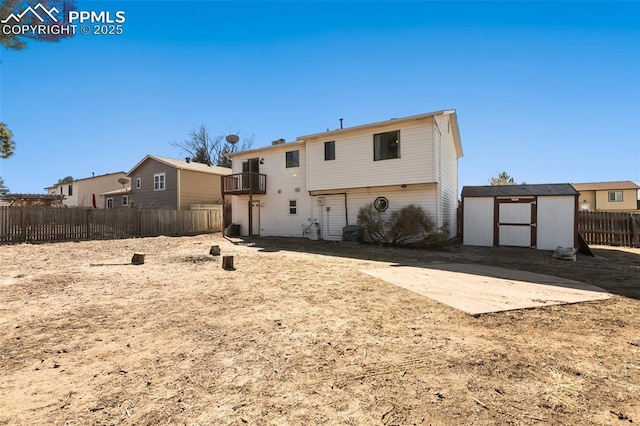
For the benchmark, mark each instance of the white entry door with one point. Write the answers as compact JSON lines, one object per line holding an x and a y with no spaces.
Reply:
{"x":516,"y":222}
{"x":255,"y":218}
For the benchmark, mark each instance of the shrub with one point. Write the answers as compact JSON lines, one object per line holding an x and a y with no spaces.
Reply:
{"x":410,"y":223}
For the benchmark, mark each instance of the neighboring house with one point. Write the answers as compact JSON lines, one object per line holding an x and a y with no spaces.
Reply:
{"x":118,"y":199}
{"x":166,"y":183}
{"x":538,"y":216}
{"x":620,"y":196}
{"x":85,"y":192}
{"x":33,"y":200}
{"x":315,"y":186}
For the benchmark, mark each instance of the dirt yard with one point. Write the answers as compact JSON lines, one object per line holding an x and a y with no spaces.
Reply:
{"x":297,"y":335}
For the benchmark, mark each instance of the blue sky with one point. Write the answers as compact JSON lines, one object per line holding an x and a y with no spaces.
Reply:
{"x":547,"y":91}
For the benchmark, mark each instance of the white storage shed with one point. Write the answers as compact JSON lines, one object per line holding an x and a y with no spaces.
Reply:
{"x":537,"y":216}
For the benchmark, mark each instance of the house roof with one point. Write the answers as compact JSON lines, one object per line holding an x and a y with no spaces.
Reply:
{"x":183,"y":165}
{"x":87,"y":178}
{"x":518,"y":190}
{"x":346,"y":130}
{"x":604,"y":186}
{"x":120,"y":191}
{"x":32,"y":197}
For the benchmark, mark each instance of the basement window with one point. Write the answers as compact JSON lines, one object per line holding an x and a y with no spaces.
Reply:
{"x":615,"y":196}
{"x":386,"y":145}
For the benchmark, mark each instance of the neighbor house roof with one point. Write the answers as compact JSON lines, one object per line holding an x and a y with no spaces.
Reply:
{"x":120,"y":191}
{"x":518,"y":190}
{"x":33,"y":197}
{"x":87,"y":178}
{"x":183,"y":165}
{"x":604,"y":186}
{"x":337,"y":132}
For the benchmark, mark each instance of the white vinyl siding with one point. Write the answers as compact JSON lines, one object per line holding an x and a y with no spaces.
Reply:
{"x":447,"y":174}
{"x":478,"y":221}
{"x":556,"y":222}
{"x":354,"y":166}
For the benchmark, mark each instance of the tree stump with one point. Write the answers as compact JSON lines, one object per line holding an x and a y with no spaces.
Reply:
{"x":227,"y":263}
{"x":215,"y":251}
{"x":138,"y":259}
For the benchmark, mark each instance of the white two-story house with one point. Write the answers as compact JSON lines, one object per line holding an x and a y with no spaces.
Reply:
{"x":315,"y":186}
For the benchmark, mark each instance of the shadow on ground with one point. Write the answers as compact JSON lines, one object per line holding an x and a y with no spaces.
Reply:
{"x":615,"y":270}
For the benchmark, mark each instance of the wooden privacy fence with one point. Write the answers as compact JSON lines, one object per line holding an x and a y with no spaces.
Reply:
{"x":610,"y":229}
{"x":41,"y":224}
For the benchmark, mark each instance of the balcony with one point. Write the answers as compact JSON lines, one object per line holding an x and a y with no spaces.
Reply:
{"x":244,"y":183}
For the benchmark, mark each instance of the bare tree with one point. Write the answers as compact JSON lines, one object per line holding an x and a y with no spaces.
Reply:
{"x":202,"y":147}
{"x":502,"y":179}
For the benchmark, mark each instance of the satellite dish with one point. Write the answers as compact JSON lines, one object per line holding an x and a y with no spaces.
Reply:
{"x":233,"y":139}
{"x":123,"y":181}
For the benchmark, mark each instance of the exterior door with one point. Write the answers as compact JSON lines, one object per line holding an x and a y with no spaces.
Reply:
{"x":516,"y":222}
{"x":333,"y":217}
{"x":255,"y":218}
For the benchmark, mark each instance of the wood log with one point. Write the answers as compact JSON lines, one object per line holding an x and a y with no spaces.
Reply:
{"x":138,"y":259}
{"x":227,"y":263}
{"x":215,"y":251}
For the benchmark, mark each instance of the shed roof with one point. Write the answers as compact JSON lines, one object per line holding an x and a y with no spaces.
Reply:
{"x":604,"y":186}
{"x":518,"y":190}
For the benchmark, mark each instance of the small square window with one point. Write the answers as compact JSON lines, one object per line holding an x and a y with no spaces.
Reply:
{"x":159,"y":182}
{"x":125,"y":200}
{"x":386,"y":145}
{"x":292,"y":159}
{"x":330,"y":150}
{"x":615,"y":196}
{"x":138,"y":183}
{"x":293,"y":207}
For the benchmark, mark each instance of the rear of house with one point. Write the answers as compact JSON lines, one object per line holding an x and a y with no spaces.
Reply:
{"x":617,"y":196}
{"x":315,"y":186}
{"x":85,"y":192}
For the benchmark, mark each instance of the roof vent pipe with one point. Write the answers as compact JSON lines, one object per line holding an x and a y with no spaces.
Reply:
{"x":187,"y":159}
{"x":341,"y":122}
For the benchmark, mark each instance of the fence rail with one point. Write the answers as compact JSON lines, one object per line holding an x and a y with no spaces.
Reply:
{"x":41,"y":224}
{"x":612,"y":229}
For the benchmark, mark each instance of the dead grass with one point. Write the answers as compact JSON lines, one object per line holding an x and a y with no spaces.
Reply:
{"x":297,"y":335}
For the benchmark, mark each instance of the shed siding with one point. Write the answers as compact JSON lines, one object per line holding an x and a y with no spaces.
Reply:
{"x":199,"y":188}
{"x":447,"y":174}
{"x":556,"y":222}
{"x":354,"y":167}
{"x":145,"y":196}
{"x":478,"y":221}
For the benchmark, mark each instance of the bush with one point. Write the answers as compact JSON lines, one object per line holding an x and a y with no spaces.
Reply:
{"x":410,"y":223}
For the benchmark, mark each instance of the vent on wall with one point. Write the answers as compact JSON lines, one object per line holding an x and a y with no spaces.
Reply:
{"x":320,"y":201}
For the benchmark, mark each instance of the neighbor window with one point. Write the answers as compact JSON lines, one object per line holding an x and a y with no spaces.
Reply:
{"x":615,"y":195}
{"x":158,"y":182}
{"x":125,"y":200}
{"x":330,"y":150}
{"x":70,"y":190}
{"x":386,"y":145}
{"x":293,"y":207}
{"x":61,"y":190}
{"x":109,"y":203}
{"x":138,"y":183}
{"x":293,"y":159}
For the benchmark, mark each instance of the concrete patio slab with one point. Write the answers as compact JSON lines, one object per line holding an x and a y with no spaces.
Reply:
{"x":479,"y":289}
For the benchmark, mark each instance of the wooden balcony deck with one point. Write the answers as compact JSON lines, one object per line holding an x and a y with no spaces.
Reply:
{"x":244,"y":183}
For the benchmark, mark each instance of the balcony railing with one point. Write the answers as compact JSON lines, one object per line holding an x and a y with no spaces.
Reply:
{"x":244,"y":183}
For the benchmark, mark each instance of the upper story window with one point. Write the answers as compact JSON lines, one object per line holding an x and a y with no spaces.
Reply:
{"x":70,"y":190}
{"x":109,"y":203}
{"x":125,"y":200}
{"x":615,"y":196}
{"x":61,"y":190}
{"x":386,"y":145}
{"x":159,"y":182}
{"x":329,"y":150}
{"x":293,"y":207}
{"x":292,"y":159}
{"x":138,"y":183}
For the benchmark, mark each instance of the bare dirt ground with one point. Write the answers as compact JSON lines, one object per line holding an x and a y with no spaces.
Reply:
{"x":297,"y":335}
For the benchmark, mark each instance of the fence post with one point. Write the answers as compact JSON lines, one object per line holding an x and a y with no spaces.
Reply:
{"x":23,"y":225}
{"x":88,"y":225}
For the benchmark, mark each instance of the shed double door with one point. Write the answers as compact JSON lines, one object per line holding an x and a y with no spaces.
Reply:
{"x":515,"y":222}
